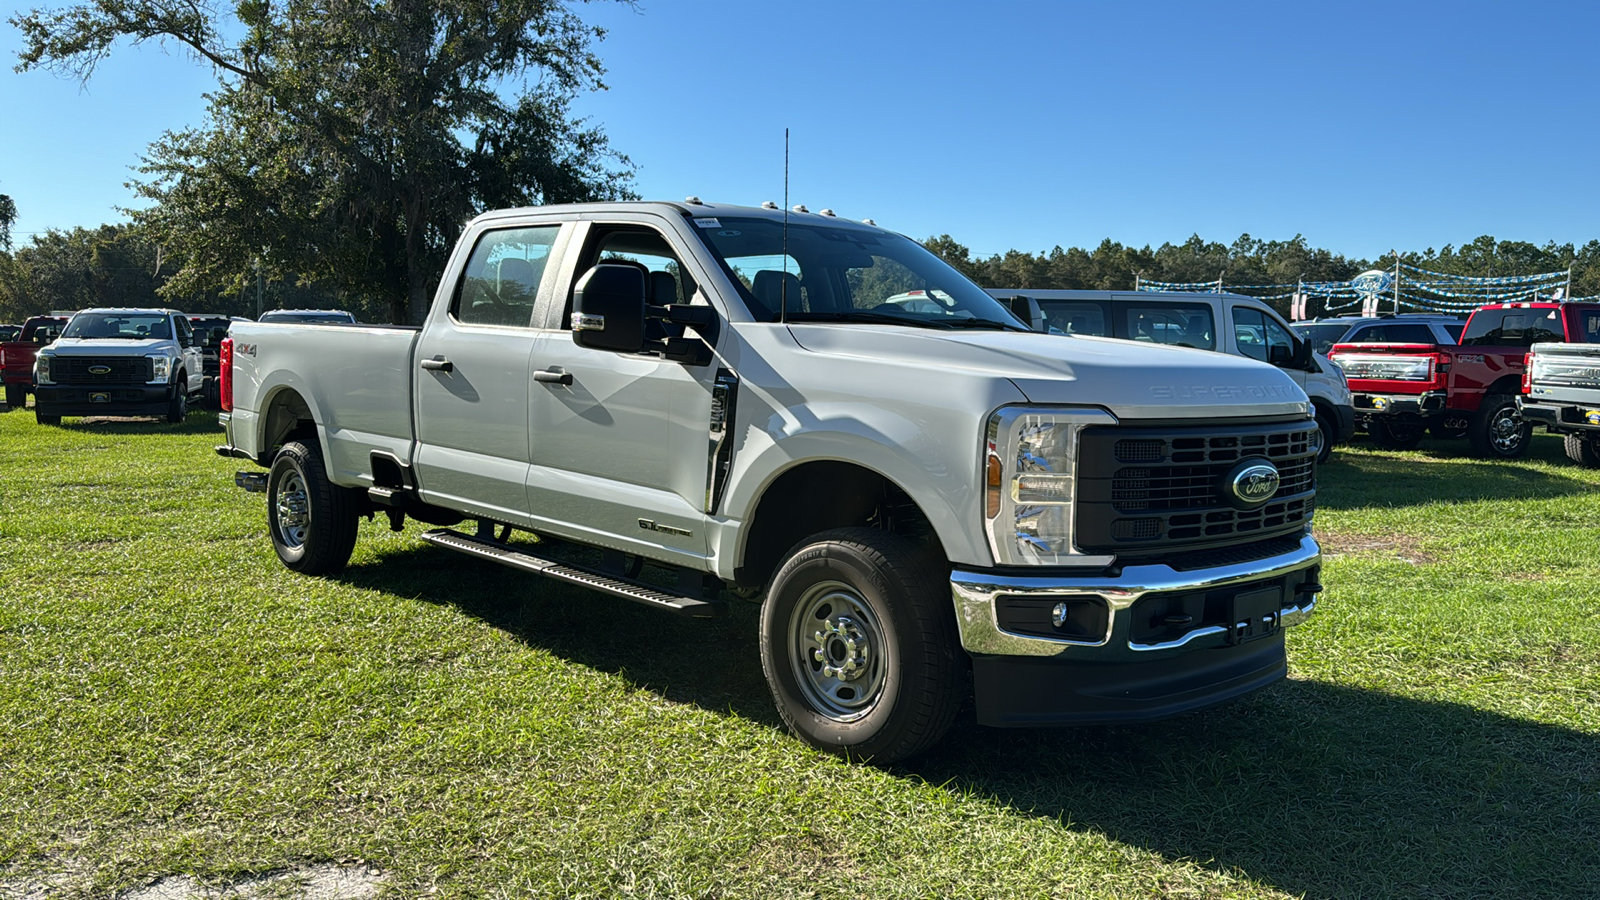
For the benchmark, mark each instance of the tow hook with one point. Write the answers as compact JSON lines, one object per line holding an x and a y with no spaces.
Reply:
{"x":254,"y":482}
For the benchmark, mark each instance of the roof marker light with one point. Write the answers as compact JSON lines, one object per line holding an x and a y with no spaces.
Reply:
{"x":799,"y":207}
{"x":869,"y":222}
{"x":768,"y":204}
{"x":693,"y":200}
{"x":827,"y":212}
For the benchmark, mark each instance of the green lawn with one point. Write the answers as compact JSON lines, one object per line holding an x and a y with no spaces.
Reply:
{"x":173,"y":701}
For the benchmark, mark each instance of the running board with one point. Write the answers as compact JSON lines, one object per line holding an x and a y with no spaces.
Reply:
{"x":521,"y":558}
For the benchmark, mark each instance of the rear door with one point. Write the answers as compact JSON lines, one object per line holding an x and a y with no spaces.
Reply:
{"x":621,"y":454}
{"x":471,"y":377}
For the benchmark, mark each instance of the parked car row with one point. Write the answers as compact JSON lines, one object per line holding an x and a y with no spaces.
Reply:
{"x":122,"y":361}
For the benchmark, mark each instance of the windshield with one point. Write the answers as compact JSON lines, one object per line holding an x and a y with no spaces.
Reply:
{"x":326,"y":318}
{"x":119,"y":326}
{"x":1321,"y":337}
{"x":847,"y":275}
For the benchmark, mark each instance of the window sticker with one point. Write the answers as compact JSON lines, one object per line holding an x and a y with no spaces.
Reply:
{"x":708,"y":223}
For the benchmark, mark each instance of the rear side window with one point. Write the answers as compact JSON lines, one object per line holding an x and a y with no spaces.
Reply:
{"x":1075,"y":317}
{"x":503,"y":276}
{"x":1512,"y":328}
{"x":1392,"y":333}
{"x":1454,"y":331}
{"x":1181,"y":325}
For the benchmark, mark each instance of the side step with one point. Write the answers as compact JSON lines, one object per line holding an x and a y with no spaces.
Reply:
{"x":521,"y":558}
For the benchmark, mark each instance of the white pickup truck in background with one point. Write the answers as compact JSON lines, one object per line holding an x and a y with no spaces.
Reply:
{"x":1095,"y":530}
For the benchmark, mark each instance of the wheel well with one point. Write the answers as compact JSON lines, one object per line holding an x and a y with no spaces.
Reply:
{"x":817,"y":496}
{"x":288,"y":418}
{"x":1507,"y":384}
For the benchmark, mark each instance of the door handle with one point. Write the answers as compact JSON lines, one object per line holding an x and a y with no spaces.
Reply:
{"x":553,"y":375}
{"x":438,"y":364}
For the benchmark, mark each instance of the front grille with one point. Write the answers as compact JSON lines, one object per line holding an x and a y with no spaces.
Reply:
{"x":1144,"y":491}
{"x":118,"y":370}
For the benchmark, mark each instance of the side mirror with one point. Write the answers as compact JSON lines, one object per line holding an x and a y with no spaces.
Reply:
{"x":608,"y":309}
{"x":1028,"y":310}
{"x":1304,"y":357}
{"x":1279,"y":355}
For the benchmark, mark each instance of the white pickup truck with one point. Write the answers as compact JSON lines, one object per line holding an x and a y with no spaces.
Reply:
{"x":931,"y":502}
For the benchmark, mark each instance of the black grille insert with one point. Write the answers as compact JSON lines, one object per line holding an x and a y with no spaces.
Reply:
{"x":100,"y":369}
{"x":1143,"y":491}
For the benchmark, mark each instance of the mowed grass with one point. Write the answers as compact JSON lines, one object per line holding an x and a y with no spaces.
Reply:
{"x":172,"y":700}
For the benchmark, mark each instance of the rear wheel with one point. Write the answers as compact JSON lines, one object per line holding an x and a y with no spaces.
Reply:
{"x":312,"y":520}
{"x":1584,"y":450}
{"x":1496,"y":431}
{"x":1396,"y":434}
{"x":859,"y":647}
{"x":16,"y":396}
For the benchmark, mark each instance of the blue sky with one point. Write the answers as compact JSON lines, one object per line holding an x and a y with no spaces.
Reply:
{"x":1007,"y":124}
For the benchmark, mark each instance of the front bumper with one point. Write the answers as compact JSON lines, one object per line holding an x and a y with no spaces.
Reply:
{"x":1147,"y":642}
{"x":1559,"y":418}
{"x":1426,"y":404}
{"x":103,"y":400}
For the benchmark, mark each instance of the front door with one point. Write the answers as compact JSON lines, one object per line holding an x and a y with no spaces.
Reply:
{"x":620,"y":456}
{"x":472,"y":378}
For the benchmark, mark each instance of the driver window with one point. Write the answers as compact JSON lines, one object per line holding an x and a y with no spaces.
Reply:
{"x":502,"y":278}
{"x":665,"y":281}
{"x":1178,"y":325}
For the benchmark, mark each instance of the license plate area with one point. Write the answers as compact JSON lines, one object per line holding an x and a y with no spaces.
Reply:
{"x":99,"y":396}
{"x":1254,"y":614}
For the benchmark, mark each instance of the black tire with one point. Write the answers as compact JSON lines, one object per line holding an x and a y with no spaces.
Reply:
{"x":178,"y":406}
{"x":45,"y":418}
{"x":16,"y":396}
{"x":1496,"y":431}
{"x":1584,"y":450}
{"x":1393,"y":434}
{"x":1329,"y":432}
{"x":312,"y":520}
{"x":885,"y":610}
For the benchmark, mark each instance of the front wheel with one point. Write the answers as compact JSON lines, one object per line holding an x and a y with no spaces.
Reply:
{"x":312,"y":520}
{"x":44,"y":418}
{"x":1584,"y":450}
{"x":858,"y":645}
{"x":1327,"y":433}
{"x":178,"y":406}
{"x":1392,"y":434}
{"x":1496,"y":431}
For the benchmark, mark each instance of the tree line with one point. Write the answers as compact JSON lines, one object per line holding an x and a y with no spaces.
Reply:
{"x":345,"y":145}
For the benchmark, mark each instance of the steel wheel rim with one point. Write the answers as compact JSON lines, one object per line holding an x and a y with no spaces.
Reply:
{"x":292,"y":510}
{"x":1505,"y":432}
{"x":837,"y":651}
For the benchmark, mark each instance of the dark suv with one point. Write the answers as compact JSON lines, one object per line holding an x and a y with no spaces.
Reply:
{"x":1391,"y":328}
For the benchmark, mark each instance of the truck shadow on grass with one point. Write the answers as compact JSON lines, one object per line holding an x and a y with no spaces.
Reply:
{"x":1442,"y":475}
{"x":1315,"y":789}
{"x":196,"y":423}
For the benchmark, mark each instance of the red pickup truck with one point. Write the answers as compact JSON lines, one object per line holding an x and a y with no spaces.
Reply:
{"x":1402,"y":391}
{"x":16,"y":357}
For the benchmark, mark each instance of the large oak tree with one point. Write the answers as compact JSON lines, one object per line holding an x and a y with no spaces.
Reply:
{"x":348,"y":141}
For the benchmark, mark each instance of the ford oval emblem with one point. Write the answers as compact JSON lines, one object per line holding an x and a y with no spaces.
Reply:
{"x":1251,"y":483}
{"x":99,"y":370}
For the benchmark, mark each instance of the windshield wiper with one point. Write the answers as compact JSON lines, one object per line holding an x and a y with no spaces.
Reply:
{"x":862,"y":316}
{"x":983,"y":323}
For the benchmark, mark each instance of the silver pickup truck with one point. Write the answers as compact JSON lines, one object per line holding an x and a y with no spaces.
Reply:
{"x":1562,"y":393}
{"x":678,"y":403}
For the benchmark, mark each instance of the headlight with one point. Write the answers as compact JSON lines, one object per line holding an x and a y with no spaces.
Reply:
{"x":41,"y":369}
{"x":1030,"y":484}
{"x":1387,"y":368}
{"x":160,"y":367}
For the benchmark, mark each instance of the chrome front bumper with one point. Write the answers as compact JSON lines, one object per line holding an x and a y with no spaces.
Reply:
{"x":977,"y":596}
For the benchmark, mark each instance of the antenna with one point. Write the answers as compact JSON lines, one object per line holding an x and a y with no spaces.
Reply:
{"x":783,"y":283}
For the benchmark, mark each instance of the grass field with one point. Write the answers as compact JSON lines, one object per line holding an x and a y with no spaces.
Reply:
{"x":174,"y":702}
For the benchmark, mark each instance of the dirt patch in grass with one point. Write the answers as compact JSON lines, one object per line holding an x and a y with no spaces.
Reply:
{"x":322,"y":881}
{"x":807,"y":857}
{"x":1404,"y":547}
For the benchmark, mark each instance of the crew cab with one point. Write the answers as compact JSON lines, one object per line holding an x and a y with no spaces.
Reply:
{"x":1404,"y":390}
{"x":1562,"y":390}
{"x":1230,"y":323}
{"x":16,"y":356}
{"x":119,"y":362}
{"x":675,"y":403}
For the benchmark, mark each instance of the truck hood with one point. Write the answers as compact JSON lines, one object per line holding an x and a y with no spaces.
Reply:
{"x":112,"y":347}
{"x":1129,"y":378}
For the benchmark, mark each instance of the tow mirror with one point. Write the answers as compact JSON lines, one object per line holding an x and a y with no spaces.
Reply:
{"x":1303,"y":357}
{"x":1028,"y":310}
{"x":608,"y":309}
{"x":1280,"y":354}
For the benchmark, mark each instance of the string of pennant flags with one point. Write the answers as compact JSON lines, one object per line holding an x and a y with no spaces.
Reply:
{"x":1403,"y":285}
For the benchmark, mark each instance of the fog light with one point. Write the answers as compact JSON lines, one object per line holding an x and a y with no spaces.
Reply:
{"x":1058,"y":616}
